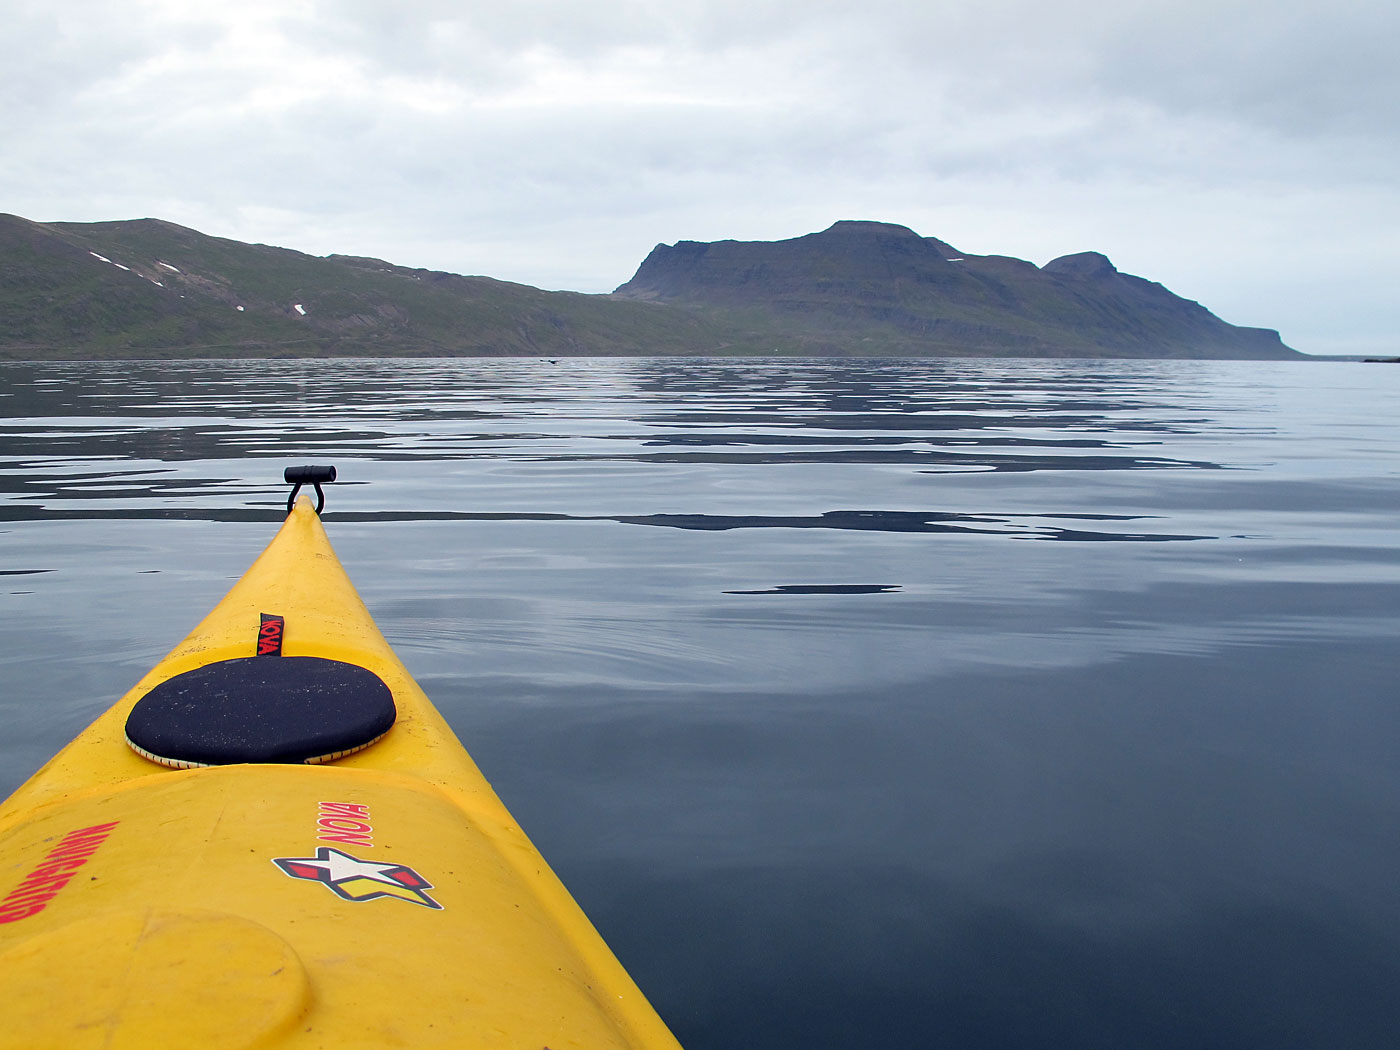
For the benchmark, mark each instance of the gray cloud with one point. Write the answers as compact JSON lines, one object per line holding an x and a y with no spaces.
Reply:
{"x":1242,"y":154}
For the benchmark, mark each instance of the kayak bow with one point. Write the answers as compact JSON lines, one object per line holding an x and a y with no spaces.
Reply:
{"x":274,"y":840}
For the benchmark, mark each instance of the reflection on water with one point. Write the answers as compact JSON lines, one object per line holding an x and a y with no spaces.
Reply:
{"x":758,"y":655}
{"x":826,"y":588}
{"x":177,"y":441}
{"x":1020,"y":526}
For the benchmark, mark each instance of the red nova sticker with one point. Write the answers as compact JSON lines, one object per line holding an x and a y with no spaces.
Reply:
{"x":54,"y":872}
{"x":359,"y":880}
{"x":270,"y":633}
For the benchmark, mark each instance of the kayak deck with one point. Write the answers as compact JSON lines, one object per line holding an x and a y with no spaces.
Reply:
{"x":383,"y":898}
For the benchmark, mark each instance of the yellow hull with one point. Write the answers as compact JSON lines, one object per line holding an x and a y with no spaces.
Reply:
{"x":383,"y":899}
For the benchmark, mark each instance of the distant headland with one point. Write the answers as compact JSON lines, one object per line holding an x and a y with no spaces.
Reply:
{"x":146,"y":288}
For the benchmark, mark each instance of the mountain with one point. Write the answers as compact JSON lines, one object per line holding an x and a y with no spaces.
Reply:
{"x":149,"y":288}
{"x":879,"y":283}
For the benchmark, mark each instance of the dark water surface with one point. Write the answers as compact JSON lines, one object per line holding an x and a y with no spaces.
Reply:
{"x":896,"y":704}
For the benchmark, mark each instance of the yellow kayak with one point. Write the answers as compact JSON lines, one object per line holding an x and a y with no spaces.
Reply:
{"x":274,"y":840}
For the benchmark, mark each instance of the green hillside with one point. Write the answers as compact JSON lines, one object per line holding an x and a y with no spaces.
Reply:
{"x":148,"y":288}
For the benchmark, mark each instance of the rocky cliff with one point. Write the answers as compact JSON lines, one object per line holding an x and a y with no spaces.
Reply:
{"x":871,"y":280}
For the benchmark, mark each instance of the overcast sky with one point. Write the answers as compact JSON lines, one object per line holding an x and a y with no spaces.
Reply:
{"x":1246,"y":155}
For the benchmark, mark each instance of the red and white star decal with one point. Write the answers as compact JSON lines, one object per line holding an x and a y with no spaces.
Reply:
{"x":359,"y":880}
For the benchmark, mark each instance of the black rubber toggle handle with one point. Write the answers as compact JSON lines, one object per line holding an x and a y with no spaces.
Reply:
{"x":312,"y":475}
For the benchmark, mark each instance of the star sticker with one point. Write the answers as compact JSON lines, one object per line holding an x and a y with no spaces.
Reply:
{"x":359,"y":880}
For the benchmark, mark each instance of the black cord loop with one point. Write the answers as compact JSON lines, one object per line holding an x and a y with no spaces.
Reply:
{"x":311,"y":475}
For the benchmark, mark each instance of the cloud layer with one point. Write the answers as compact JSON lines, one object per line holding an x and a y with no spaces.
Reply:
{"x":1243,"y":155}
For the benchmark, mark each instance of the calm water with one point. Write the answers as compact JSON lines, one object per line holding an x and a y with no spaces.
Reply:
{"x":897,"y":704}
